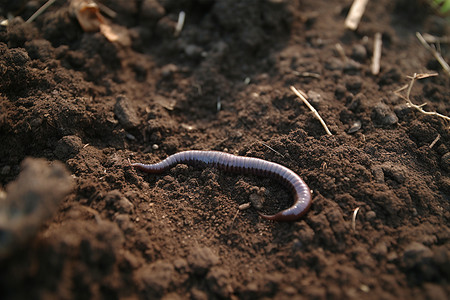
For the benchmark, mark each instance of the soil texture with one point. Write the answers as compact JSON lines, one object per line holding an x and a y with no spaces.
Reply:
{"x":78,"y":107}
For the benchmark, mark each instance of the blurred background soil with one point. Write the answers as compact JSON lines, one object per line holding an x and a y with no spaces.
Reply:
{"x":92,"y":227}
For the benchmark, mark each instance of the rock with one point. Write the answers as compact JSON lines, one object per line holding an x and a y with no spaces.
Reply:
{"x":370,"y":215}
{"x":383,"y":115}
{"x":30,"y":200}
{"x":201,"y":260}
{"x":125,"y":113}
{"x":155,"y":278}
{"x":68,"y":146}
{"x":218,"y":281}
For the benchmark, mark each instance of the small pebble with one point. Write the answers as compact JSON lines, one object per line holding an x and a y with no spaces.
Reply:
{"x":383,"y":115}
{"x":125,"y":113}
{"x":244,"y":206}
{"x":370,"y":215}
{"x":68,"y":146}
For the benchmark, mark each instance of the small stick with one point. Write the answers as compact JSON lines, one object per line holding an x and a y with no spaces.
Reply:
{"x":341,"y":51}
{"x":436,"y":39}
{"x":306,"y":74}
{"x":108,"y":11}
{"x":355,"y":213}
{"x":355,"y":14}
{"x":408,"y":93}
{"x":435,"y":141}
{"x":311,"y":108}
{"x":40,"y":11}
{"x":436,"y":54}
{"x":376,"y":54}
{"x":180,"y":23}
{"x":232,"y":221}
{"x":272,"y":149}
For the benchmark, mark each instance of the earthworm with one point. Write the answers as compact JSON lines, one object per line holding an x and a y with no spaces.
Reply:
{"x":244,"y":165}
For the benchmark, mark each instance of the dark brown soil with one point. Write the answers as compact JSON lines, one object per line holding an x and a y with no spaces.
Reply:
{"x":96,"y":105}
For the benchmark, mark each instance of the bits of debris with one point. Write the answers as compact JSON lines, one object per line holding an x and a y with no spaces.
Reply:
{"x":87,"y":14}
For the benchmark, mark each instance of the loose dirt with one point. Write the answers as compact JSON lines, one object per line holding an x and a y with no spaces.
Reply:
{"x":223,"y":84}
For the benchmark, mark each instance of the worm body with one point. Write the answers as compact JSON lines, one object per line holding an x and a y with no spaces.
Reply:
{"x":244,"y":165}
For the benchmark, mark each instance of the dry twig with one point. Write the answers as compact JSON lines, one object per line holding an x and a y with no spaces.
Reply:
{"x":355,"y":14}
{"x":316,"y":114}
{"x":408,"y":92}
{"x":435,"y":53}
{"x":435,"y":141}
{"x":378,"y":43}
{"x":40,"y":11}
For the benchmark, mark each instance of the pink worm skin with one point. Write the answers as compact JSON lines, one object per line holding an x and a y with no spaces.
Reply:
{"x":244,"y":165}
